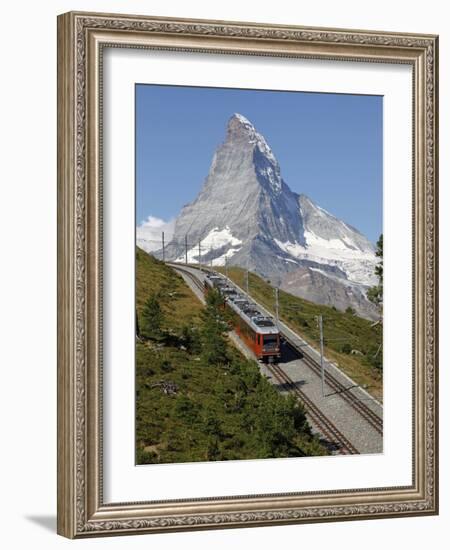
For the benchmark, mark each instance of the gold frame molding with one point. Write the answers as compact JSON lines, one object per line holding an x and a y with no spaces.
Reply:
{"x":81,"y":38}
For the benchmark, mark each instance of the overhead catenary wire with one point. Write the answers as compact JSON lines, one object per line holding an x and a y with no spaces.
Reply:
{"x":183,"y":248}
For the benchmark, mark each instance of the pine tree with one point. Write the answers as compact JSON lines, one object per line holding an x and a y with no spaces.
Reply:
{"x":152,"y":318}
{"x":138,"y":332}
{"x":214,"y":327}
{"x":375,"y":293}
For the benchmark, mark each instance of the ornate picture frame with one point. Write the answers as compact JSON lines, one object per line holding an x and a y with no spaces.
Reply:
{"x":82,"y":38}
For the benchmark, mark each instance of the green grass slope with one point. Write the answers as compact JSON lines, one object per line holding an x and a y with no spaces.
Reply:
{"x":190,"y":410}
{"x":350,"y":341}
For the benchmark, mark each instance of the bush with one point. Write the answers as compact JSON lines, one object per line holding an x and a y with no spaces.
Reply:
{"x":166,"y":366}
{"x":213,"y":450}
{"x":185,"y":409}
{"x":190,"y":339}
{"x":174,"y":441}
{"x":346,"y":348}
{"x":145,"y":457}
{"x":374,"y":357}
{"x":211,"y":425}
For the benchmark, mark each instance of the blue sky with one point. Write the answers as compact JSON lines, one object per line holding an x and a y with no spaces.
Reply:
{"x":329,"y":146}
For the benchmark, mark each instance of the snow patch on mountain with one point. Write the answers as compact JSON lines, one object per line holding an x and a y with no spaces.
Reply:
{"x":358,"y":265}
{"x":218,"y":238}
{"x":216,"y":241}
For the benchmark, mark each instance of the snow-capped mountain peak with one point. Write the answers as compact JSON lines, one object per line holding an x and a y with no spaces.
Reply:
{"x":244,"y":121}
{"x":240,"y":123}
{"x":247,"y":215}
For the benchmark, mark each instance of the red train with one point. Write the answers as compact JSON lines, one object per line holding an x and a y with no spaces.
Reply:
{"x":258,"y":331}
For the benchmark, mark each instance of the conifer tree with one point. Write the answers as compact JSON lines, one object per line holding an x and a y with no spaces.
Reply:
{"x":214,"y":327}
{"x":152,"y":318}
{"x":375,"y":293}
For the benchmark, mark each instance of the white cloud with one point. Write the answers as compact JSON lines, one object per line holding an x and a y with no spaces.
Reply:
{"x":149,"y":233}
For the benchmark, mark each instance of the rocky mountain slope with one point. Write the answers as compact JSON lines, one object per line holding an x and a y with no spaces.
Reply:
{"x":246,"y":215}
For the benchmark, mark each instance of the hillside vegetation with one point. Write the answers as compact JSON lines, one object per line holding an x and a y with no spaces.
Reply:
{"x":197,"y":398}
{"x":351,"y":342}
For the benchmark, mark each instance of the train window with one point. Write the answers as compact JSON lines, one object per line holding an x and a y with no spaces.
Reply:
{"x":270,"y":338}
{"x":259,"y":339}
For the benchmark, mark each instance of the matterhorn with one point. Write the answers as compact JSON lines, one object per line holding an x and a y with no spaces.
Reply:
{"x":246,"y":215}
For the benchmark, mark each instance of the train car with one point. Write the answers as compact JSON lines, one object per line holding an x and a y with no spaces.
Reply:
{"x":220,"y":284}
{"x":259,"y":332}
{"x":213,"y":281}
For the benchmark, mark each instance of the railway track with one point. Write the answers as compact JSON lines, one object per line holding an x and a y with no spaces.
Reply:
{"x":331,"y":433}
{"x":359,"y":406}
{"x":191,"y":276}
{"x":371,"y":417}
{"x":329,"y":430}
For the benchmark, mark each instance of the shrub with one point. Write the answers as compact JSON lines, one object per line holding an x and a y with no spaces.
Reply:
{"x":346,"y":348}
{"x":166,"y":366}
{"x":185,"y":408}
{"x":146,"y":457}
{"x":374,"y":357}
{"x":190,"y":339}
{"x":211,"y":425}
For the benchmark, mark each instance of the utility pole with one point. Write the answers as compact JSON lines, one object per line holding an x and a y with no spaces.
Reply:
{"x":277,"y":317}
{"x":322,"y":370}
{"x":164,"y":251}
{"x":199,"y":252}
{"x":185,"y":248}
{"x":246,"y":281}
{"x":210,"y":256}
{"x":226,"y":267}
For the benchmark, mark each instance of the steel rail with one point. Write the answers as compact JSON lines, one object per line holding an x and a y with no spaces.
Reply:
{"x":370,"y":416}
{"x":366,"y":412}
{"x":359,"y":406}
{"x":317,"y":417}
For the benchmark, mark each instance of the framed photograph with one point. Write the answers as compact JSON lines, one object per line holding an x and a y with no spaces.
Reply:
{"x":247,"y":274}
